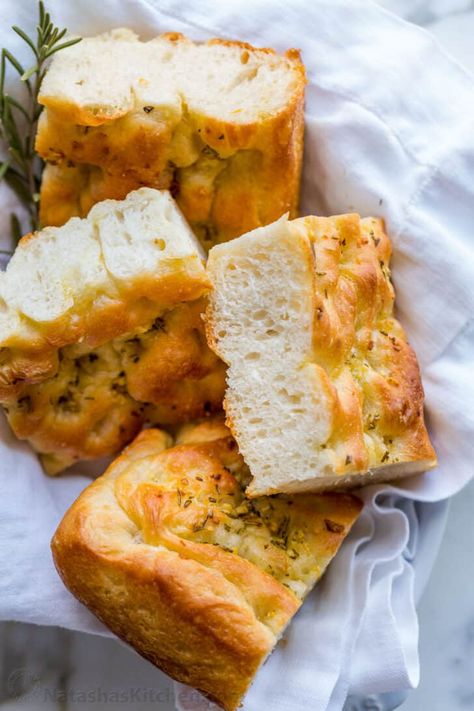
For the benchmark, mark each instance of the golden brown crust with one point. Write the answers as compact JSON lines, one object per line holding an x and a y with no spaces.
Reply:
{"x":358,"y":362}
{"x":227,"y":177}
{"x":94,"y":401}
{"x":61,"y":191}
{"x":24,"y":364}
{"x":102,"y":346}
{"x":142,"y":547}
{"x":31,"y":356}
{"x":364,"y":349}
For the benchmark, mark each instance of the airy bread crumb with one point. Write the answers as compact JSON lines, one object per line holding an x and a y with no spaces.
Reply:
{"x":323,"y":389}
{"x":218,"y":123}
{"x":102,"y":330}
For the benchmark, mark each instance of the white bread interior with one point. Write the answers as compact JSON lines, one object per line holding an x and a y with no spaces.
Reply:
{"x":110,"y":75}
{"x":101,"y":330}
{"x":302,"y":314}
{"x":218,"y":123}
{"x":57,"y":275}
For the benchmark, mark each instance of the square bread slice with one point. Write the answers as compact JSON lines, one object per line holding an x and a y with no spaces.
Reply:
{"x":323,"y":389}
{"x":101,"y":330}
{"x":165,"y":549}
{"x":218,"y":123}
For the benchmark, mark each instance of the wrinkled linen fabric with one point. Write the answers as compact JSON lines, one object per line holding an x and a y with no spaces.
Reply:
{"x":389,"y":132}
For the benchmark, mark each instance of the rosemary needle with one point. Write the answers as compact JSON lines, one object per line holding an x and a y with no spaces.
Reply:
{"x":22,"y":168}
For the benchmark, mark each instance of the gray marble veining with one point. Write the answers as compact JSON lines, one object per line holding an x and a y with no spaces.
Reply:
{"x":446,"y":617}
{"x":49,"y":669}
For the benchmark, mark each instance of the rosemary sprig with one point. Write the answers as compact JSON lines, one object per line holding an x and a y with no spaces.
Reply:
{"x":22,"y":167}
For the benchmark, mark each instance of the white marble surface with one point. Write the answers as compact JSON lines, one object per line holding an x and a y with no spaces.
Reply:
{"x":46,"y":669}
{"x":446,"y":617}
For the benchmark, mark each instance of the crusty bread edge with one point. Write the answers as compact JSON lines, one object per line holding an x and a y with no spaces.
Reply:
{"x":118,"y":577}
{"x":71,"y":112}
{"x":139,"y":578}
{"x":282,"y":131}
{"x":347,"y":482}
{"x":79,"y":564}
{"x":386,"y":473}
{"x":135,"y":305}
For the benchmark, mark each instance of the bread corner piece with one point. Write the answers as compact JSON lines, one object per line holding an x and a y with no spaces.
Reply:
{"x":323,"y":389}
{"x":101,"y":330}
{"x":165,"y":549}
{"x":218,"y":123}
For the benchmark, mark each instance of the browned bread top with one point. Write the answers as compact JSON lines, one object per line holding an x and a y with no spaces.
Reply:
{"x":218,"y":123}
{"x":324,"y":389}
{"x":102,"y":330}
{"x":165,"y":549}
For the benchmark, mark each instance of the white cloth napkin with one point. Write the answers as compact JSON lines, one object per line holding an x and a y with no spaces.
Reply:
{"x":389,"y":132}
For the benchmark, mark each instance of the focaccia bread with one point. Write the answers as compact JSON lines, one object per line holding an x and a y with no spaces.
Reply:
{"x":165,"y":549}
{"x":101,"y":330}
{"x":218,"y":123}
{"x":323,"y":389}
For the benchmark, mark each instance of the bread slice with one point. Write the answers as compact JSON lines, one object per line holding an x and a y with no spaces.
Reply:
{"x":323,"y":389}
{"x":218,"y":123}
{"x":165,"y":549}
{"x":101,"y":330}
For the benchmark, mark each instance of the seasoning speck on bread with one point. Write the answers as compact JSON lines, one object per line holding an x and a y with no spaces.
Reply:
{"x":102,"y":330}
{"x":323,"y":388}
{"x":166,"y":550}
{"x":218,"y":123}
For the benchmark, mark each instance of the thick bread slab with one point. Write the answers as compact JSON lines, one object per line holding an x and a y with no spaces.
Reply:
{"x":323,"y":389}
{"x":101,"y":329}
{"x":95,"y":278}
{"x":218,"y":123}
{"x":167,"y":552}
